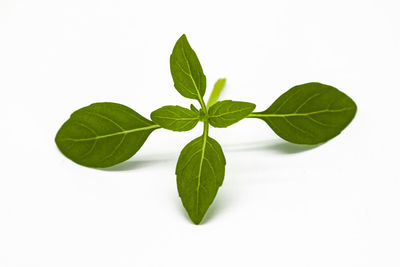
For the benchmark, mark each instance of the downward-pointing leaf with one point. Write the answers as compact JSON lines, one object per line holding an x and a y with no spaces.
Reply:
{"x":310,"y":113}
{"x":175,"y":118}
{"x":227,"y":112}
{"x":199,"y":173}
{"x":186,"y":70}
{"x":103,"y":134}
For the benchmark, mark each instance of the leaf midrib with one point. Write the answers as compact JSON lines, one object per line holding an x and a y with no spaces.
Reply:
{"x":179,"y":119}
{"x":272,"y":115}
{"x":203,"y":149}
{"x":112,"y":134}
{"x":200,"y":98}
{"x":228,"y":113}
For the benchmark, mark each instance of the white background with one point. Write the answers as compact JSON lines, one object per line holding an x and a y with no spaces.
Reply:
{"x":280,"y":205}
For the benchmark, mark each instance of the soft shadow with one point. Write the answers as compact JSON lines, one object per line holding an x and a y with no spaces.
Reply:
{"x":289,"y":148}
{"x":216,"y":208}
{"x":280,"y":146}
{"x":134,"y":164}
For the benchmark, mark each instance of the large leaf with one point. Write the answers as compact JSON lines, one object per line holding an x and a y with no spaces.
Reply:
{"x":186,"y":70}
{"x":175,"y":118}
{"x":310,"y":113}
{"x":103,"y":134}
{"x":199,"y":173}
{"x":227,"y":112}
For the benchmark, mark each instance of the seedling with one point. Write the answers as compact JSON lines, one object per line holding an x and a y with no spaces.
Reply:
{"x":105,"y":134}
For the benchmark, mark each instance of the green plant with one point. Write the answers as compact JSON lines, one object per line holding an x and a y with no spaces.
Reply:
{"x":104,"y":134}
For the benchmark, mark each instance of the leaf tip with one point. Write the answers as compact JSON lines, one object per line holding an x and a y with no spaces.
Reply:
{"x":196,"y":220}
{"x":183,"y":38}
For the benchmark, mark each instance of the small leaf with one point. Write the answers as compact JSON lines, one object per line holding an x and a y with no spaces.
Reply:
{"x":199,"y":173}
{"x":218,"y":86}
{"x":225,"y":113}
{"x":175,"y":118}
{"x":186,"y":70}
{"x":103,"y":134}
{"x":310,"y":113}
{"x":193,"y":108}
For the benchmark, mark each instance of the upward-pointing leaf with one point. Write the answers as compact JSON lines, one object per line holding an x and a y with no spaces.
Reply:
{"x":186,"y":70}
{"x":218,"y":86}
{"x":175,"y":118}
{"x":227,"y":112}
{"x":193,"y":108}
{"x":103,"y":134}
{"x":310,"y":113}
{"x":199,"y":173}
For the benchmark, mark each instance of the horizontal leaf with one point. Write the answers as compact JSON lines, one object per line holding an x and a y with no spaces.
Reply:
{"x":227,"y":112}
{"x":310,"y":113}
{"x":175,"y":118}
{"x":186,"y":70}
{"x":200,"y":172}
{"x":103,"y":134}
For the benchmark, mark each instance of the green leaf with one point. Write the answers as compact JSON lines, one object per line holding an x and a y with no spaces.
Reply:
{"x":227,"y":112}
{"x":193,"y":108}
{"x":310,"y":113}
{"x":199,"y":173}
{"x":103,"y":134}
{"x":175,"y":118}
{"x":186,"y":71}
{"x":218,"y":86}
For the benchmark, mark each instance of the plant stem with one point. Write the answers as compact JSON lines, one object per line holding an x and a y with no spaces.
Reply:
{"x":206,"y":126}
{"x":202,"y":104}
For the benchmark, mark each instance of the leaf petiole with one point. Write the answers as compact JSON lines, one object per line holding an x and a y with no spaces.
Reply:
{"x":202,"y":104}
